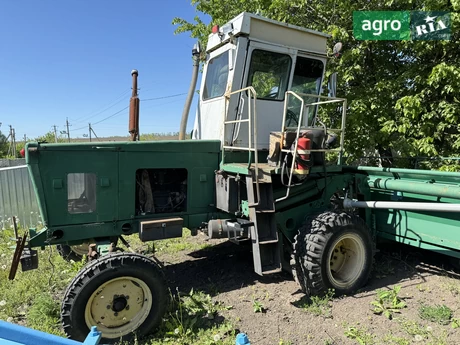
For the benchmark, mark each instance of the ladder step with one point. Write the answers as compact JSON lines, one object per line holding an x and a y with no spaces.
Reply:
{"x":268,"y":241}
{"x":271,"y":270}
{"x":263,"y":233}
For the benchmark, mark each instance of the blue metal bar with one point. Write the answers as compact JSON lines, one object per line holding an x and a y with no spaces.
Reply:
{"x":12,"y":334}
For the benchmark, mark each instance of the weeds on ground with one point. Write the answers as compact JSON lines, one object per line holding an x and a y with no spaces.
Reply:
{"x":455,"y":322}
{"x":44,"y":314}
{"x":33,"y":297}
{"x":175,"y":245}
{"x":423,"y":288}
{"x":388,"y":302}
{"x":257,"y":306}
{"x":384,"y":268}
{"x":320,"y":306}
{"x":440,"y":314}
{"x":193,"y":319}
{"x":424,"y":335}
{"x":361,"y":335}
{"x":393,"y":340}
{"x":452,"y":287}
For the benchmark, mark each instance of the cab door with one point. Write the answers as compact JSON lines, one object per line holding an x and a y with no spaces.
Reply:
{"x":307,"y":79}
{"x":268,"y":70}
{"x":222,"y":74}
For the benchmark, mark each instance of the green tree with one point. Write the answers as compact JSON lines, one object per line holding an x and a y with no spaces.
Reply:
{"x":3,"y":146}
{"x":49,"y":138}
{"x":402,"y":95}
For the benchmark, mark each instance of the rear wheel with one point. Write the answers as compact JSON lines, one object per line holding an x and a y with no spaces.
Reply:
{"x":75,"y":253}
{"x":123,"y":294}
{"x":333,"y":251}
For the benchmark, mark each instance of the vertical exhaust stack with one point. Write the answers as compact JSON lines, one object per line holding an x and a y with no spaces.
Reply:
{"x":134,"y":109}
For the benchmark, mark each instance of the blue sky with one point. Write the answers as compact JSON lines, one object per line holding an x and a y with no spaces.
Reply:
{"x":74,"y":59}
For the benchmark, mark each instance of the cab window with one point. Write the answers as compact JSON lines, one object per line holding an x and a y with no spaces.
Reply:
{"x":306,"y":80}
{"x":307,"y":76}
{"x":216,"y":77}
{"x":269,"y":74}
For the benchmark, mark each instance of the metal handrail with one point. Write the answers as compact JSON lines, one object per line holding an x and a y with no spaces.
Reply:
{"x":297,"y":136}
{"x":252,"y":129}
{"x":299,"y":127}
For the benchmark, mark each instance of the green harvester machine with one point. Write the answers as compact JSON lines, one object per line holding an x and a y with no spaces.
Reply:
{"x":264,"y":166}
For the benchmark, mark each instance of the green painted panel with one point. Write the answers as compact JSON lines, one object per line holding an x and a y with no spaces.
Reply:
{"x":418,"y":228}
{"x":202,"y":188}
{"x":431,"y":227}
{"x":186,"y":146}
{"x":56,"y":166}
{"x":423,"y":245}
{"x":111,"y":169}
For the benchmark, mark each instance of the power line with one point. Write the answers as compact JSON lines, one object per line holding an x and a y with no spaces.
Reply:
{"x":106,"y":118}
{"x":154,"y":99}
{"x":119,"y":111}
{"x":103,"y":110}
{"x":117,"y":100}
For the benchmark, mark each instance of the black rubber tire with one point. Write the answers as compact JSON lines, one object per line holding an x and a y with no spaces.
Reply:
{"x":96,"y":273}
{"x":67,"y":253}
{"x":313,"y":243}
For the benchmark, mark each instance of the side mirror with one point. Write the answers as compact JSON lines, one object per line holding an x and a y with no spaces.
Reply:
{"x":332,"y":84}
{"x":337,"y":48}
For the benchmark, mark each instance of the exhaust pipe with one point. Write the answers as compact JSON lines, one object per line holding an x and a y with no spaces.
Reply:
{"x":134,"y":109}
{"x":188,"y":102}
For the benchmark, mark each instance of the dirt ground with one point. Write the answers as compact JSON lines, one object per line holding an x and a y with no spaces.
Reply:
{"x":224,"y":270}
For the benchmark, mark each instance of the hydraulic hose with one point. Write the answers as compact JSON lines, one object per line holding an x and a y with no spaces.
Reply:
{"x":196,"y":63}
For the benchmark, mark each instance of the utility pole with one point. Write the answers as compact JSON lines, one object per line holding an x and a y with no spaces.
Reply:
{"x":10,"y":136}
{"x":14,"y":143}
{"x":95,"y":135}
{"x":67,"y":125}
{"x":12,"y":147}
{"x":89,"y":130}
{"x":25,"y":139}
{"x":55,"y":133}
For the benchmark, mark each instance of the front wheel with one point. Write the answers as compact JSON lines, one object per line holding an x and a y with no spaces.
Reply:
{"x":123,"y":294}
{"x":333,"y":251}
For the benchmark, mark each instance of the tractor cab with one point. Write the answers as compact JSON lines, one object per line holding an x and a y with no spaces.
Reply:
{"x":258,"y":76}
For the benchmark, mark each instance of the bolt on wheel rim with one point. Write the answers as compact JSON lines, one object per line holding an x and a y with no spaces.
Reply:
{"x":119,"y":306}
{"x":346,"y":260}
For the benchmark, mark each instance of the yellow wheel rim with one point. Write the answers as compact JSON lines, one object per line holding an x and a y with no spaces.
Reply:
{"x":119,"y":306}
{"x":346,"y":260}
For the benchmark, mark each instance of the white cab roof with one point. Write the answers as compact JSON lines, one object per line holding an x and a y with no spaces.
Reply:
{"x":269,"y":31}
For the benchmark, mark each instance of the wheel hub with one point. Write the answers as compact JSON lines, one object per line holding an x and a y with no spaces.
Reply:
{"x":119,"y":303}
{"x":346,"y":260}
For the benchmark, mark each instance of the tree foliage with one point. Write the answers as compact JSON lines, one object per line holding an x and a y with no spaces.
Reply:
{"x":402,"y":95}
{"x":3,"y":145}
